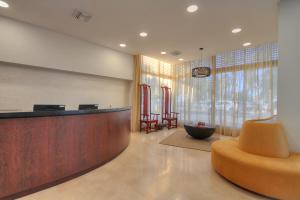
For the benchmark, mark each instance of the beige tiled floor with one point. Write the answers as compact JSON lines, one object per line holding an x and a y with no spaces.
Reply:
{"x":149,"y":170}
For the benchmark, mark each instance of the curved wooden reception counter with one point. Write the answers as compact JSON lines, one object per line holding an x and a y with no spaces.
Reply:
{"x":41,"y":149}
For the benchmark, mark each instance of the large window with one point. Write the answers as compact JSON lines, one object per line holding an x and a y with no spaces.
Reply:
{"x":193,"y":96}
{"x":243,"y":86}
{"x":246,"y":86}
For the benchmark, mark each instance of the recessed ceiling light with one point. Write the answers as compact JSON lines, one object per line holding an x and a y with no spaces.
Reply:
{"x":123,"y":45}
{"x":181,"y":59}
{"x":143,"y":34}
{"x":3,"y":4}
{"x":163,"y":53}
{"x":192,"y":8}
{"x":236,"y":30}
{"x":247,"y":44}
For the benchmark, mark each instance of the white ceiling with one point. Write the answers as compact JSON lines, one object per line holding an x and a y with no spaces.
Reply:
{"x":168,"y":24}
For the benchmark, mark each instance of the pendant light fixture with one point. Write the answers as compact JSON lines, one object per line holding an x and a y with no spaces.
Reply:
{"x":201,"y":71}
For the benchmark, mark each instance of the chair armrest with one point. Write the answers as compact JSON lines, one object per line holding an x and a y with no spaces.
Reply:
{"x":174,"y":114}
{"x":154,"y":116}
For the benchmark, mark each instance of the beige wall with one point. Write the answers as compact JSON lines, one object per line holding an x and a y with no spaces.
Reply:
{"x":22,"y":86}
{"x":39,"y":66}
{"x":289,"y":70}
{"x":26,"y":44}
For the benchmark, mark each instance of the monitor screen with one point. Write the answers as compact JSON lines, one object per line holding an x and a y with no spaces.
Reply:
{"x":41,"y":107}
{"x":88,"y":107}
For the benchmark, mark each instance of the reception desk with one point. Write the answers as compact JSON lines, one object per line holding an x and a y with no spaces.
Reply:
{"x":42,"y":149}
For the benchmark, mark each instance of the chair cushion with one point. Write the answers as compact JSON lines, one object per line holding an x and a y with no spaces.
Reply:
{"x":266,"y":138}
{"x":274,"y":177}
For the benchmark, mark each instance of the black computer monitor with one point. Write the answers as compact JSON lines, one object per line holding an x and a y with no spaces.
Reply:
{"x":88,"y":107}
{"x":41,"y":107}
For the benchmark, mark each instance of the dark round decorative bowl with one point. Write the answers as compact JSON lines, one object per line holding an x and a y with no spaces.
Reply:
{"x":199,"y":132}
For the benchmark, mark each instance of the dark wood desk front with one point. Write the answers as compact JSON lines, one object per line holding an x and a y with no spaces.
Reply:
{"x":41,"y":150}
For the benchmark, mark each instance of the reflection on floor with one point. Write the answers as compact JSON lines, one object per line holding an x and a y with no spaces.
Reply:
{"x":149,"y":170}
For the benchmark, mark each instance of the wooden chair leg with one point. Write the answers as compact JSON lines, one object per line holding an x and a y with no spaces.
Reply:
{"x":147,"y":130}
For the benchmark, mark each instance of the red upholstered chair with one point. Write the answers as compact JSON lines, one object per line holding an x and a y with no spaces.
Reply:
{"x":167,"y":114}
{"x":148,"y":120}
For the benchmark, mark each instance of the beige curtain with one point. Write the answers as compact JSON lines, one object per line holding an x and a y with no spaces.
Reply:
{"x":135,"y":111}
{"x":246,"y":86}
{"x":243,"y":85}
{"x":193,"y":96}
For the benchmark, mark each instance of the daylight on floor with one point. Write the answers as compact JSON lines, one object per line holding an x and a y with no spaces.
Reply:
{"x":149,"y":99}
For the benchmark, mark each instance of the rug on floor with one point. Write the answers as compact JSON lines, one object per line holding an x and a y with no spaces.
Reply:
{"x":183,"y":140}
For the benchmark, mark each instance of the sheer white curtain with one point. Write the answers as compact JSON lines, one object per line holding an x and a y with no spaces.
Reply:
{"x":156,"y":74}
{"x":246,"y":86}
{"x":243,"y":86}
{"x":192,"y":96}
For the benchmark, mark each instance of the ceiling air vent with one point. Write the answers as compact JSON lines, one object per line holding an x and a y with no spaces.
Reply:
{"x":176,"y":53}
{"x":81,"y":16}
